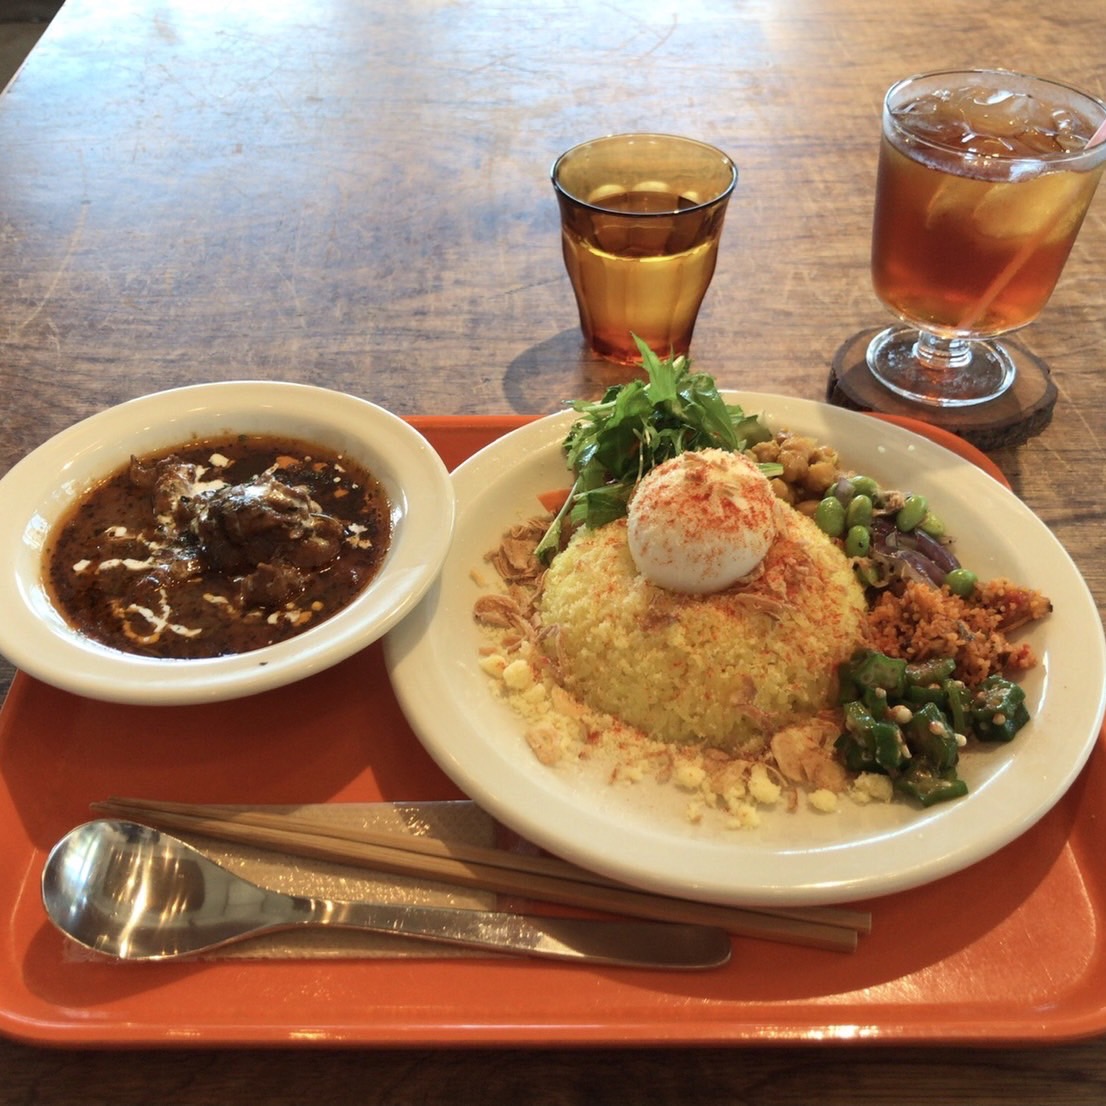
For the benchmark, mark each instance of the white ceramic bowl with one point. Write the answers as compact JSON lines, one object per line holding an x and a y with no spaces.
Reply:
{"x":42,"y":486}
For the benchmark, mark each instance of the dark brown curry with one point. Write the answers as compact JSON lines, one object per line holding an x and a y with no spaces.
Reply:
{"x":218,"y":546}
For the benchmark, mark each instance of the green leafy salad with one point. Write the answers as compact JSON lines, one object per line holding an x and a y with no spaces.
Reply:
{"x":637,"y":426}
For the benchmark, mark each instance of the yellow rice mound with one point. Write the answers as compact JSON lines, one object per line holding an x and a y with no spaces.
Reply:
{"x":728,"y":669}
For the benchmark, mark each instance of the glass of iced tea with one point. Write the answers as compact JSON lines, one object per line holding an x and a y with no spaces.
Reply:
{"x":641,"y":215}
{"x":984,"y":179}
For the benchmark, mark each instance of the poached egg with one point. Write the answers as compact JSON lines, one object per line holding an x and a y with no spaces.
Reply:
{"x":701,"y":521}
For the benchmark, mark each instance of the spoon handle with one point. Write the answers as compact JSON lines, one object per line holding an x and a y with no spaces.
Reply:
{"x":625,"y":943}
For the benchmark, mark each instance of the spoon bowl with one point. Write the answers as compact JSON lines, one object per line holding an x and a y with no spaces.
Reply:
{"x":135,"y":893}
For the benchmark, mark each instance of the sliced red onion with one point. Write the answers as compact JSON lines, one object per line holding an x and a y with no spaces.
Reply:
{"x":939,"y":554}
{"x":918,"y":566}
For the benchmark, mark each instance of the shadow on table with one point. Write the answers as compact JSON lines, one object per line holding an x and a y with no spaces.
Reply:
{"x":546,"y":375}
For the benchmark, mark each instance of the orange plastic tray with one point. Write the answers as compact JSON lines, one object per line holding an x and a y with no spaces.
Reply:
{"x":1010,"y":950}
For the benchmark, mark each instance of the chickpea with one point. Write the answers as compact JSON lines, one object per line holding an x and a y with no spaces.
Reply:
{"x":807,"y":507}
{"x":800,"y":444}
{"x":794,"y":464}
{"x":766,"y":451}
{"x":821,"y":475}
{"x":782,"y":489}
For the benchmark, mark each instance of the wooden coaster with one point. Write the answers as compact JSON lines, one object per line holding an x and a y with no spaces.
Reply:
{"x":1023,"y":411}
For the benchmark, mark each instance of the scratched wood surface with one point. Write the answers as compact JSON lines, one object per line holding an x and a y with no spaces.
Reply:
{"x":356,"y":194}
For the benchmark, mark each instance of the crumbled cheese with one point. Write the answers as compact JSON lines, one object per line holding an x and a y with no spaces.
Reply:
{"x":762,"y":787}
{"x":823,"y":800}
{"x":744,"y":816}
{"x":518,"y":675}
{"x":494,"y":664}
{"x":690,"y":777}
{"x":536,"y":696}
{"x":871,"y":787}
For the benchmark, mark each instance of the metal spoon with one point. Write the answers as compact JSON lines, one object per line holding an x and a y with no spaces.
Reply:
{"x":135,"y":893}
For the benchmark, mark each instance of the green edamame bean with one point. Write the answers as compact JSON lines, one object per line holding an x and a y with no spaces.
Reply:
{"x":830,"y":516}
{"x":858,"y":541}
{"x":961,"y":581}
{"x":911,"y":513}
{"x":932,"y":525}
{"x":864,"y":485}
{"x":859,"y":512}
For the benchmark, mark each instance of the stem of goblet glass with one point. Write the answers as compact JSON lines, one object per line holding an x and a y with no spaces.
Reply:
{"x":941,"y":355}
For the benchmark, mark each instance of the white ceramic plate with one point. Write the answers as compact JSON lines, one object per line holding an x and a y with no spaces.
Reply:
{"x":42,"y":486}
{"x":638,"y":833}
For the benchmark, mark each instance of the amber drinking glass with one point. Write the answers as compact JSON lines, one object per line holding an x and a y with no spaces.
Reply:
{"x":984,"y":179}
{"x":641,"y":215}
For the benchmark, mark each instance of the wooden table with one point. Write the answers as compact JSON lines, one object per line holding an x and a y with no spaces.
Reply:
{"x":356,"y":194}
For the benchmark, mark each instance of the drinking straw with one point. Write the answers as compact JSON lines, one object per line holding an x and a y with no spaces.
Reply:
{"x":1022,"y":256}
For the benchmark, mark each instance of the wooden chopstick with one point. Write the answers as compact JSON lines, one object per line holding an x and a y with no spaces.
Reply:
{"x":535,"y":877}
{"x":858,"y":920}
